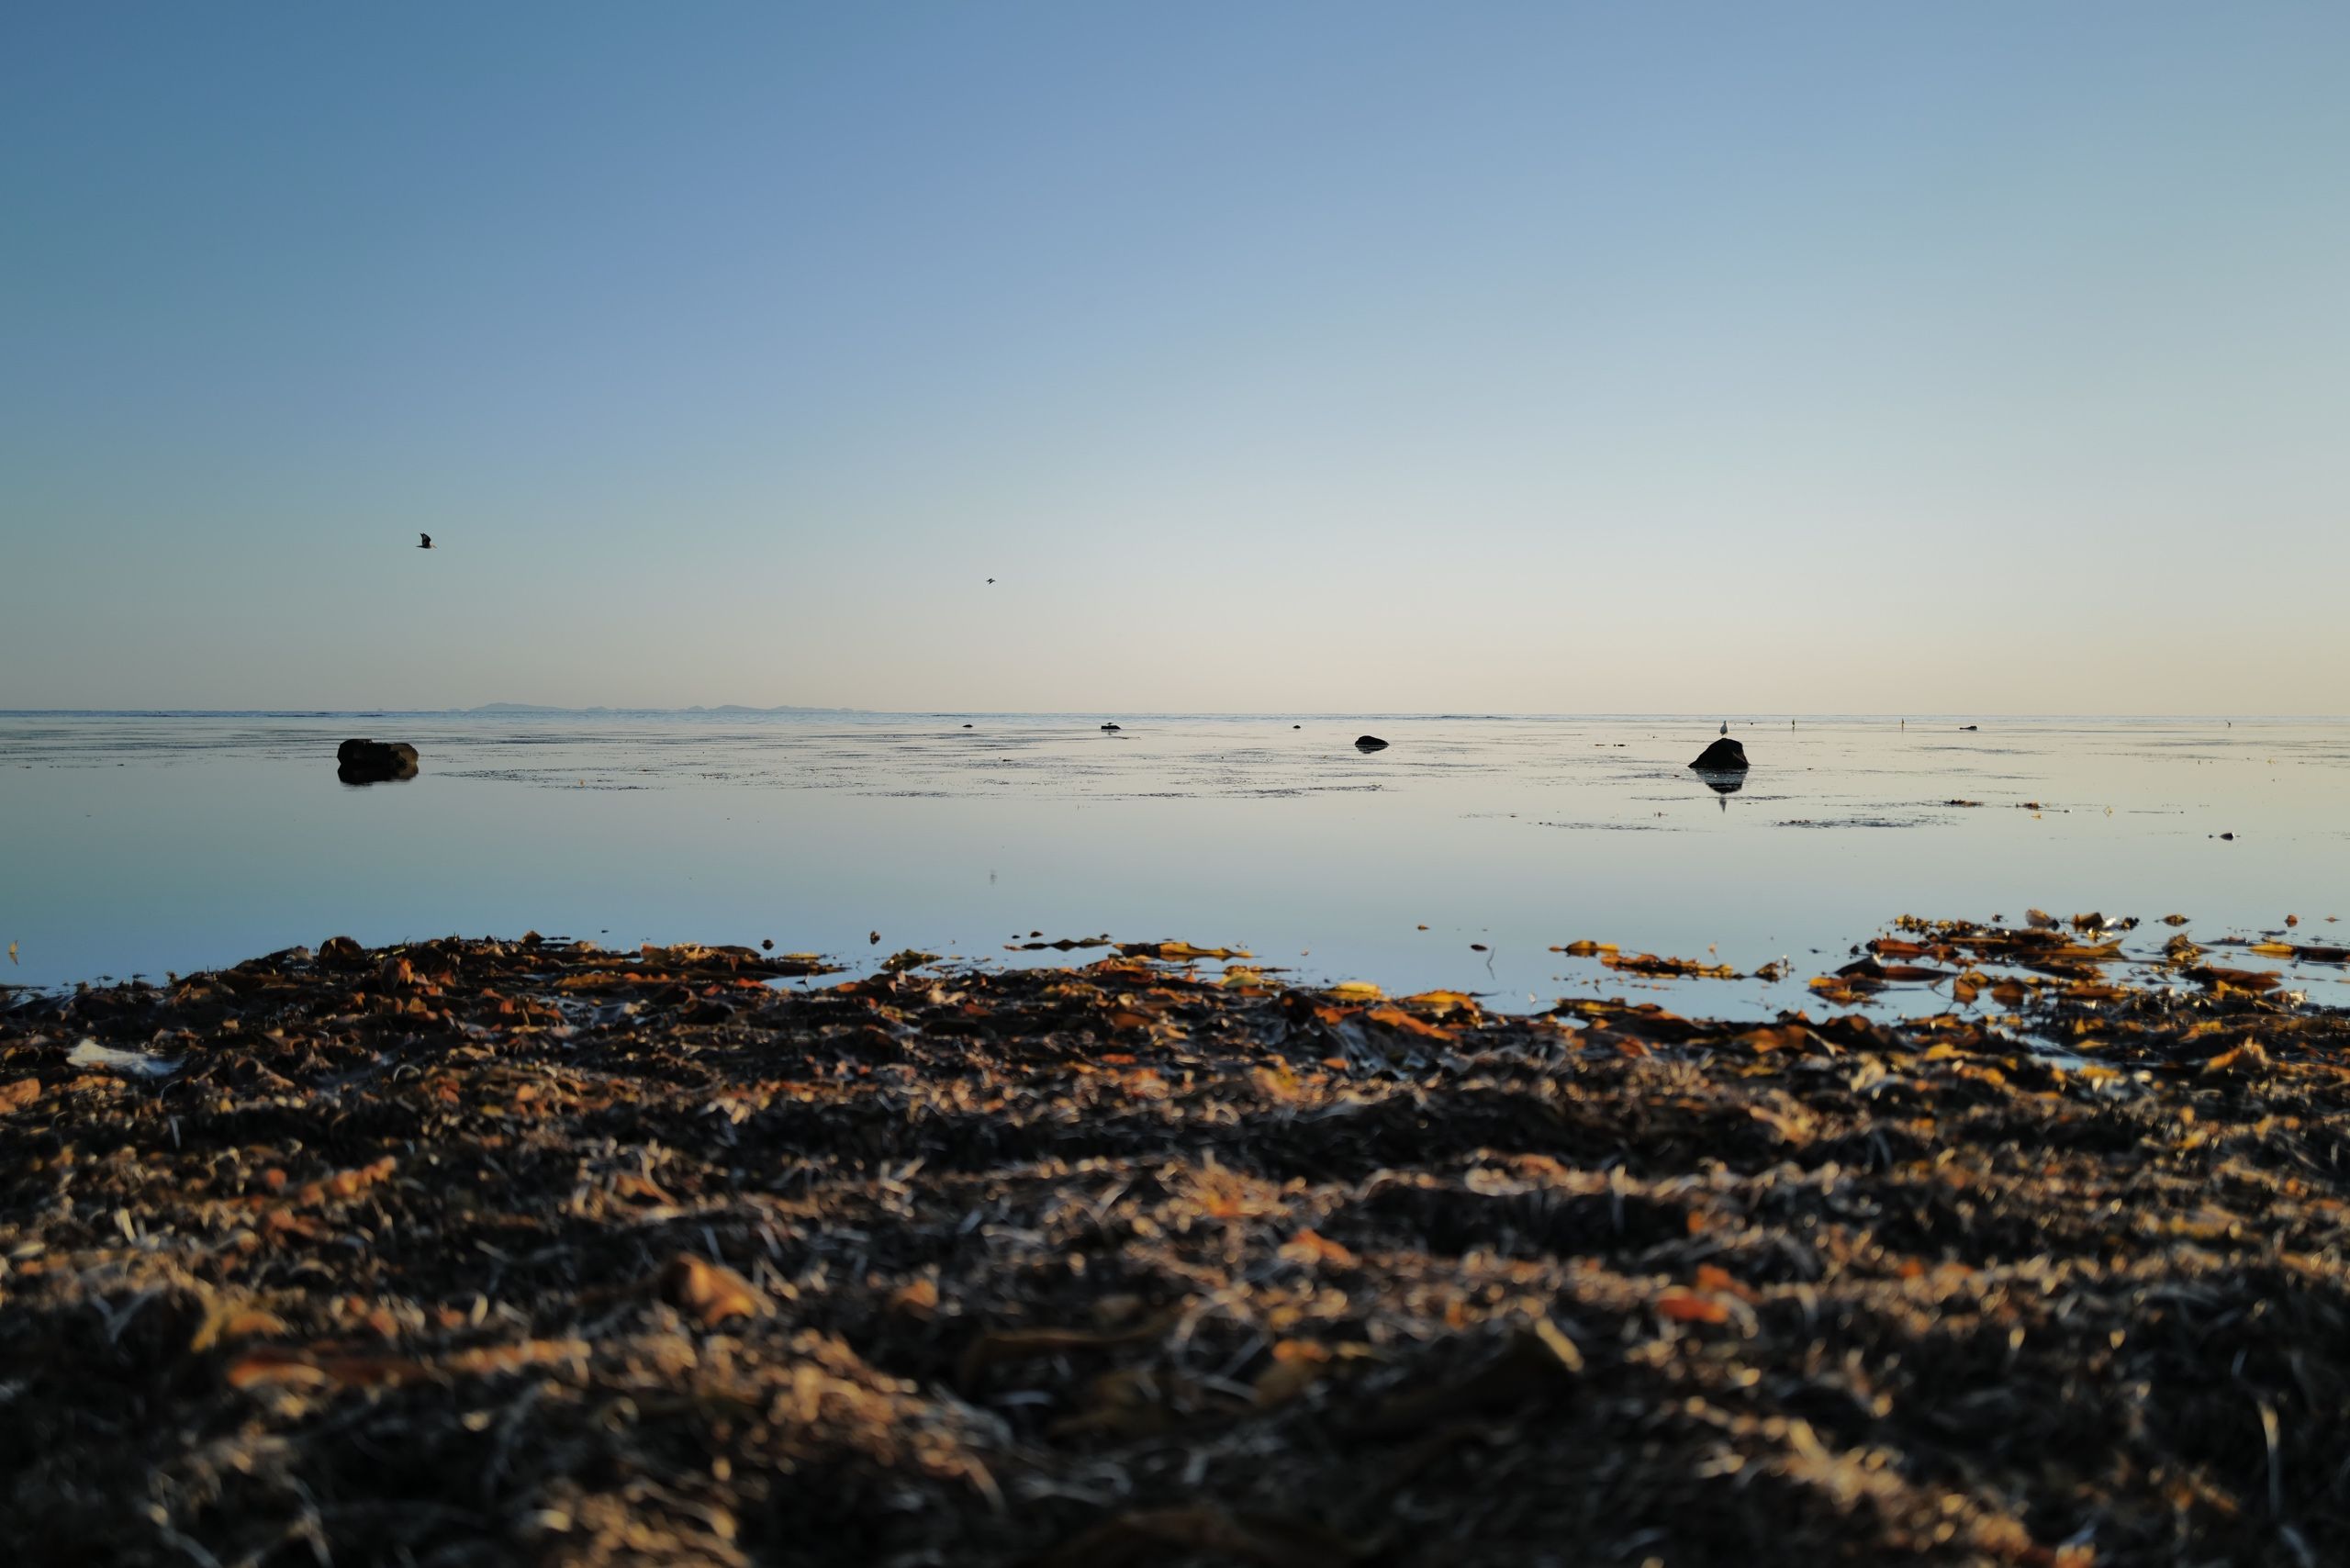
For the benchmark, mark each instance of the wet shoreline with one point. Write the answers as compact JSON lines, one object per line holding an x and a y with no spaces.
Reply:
{"x":530,"y":1251}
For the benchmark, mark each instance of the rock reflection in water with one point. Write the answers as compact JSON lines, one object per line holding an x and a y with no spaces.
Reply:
{"x":375,"y":773}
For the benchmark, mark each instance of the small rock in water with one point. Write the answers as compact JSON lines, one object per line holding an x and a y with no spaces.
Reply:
{"x":1109,"y":727}
{"x":1369,"y":743}
{"x":1724,"y":756}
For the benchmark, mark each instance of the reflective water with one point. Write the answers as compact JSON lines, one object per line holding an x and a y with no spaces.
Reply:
{"x":144,"y":844}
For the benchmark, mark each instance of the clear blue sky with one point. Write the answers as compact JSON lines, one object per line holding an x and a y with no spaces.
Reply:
{"x":1336,"y":356}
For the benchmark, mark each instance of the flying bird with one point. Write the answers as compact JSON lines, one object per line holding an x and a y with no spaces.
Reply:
{"x":428,"y":542}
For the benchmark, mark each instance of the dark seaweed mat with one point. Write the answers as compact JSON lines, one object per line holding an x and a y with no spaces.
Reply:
{"x":1117,"y":1265}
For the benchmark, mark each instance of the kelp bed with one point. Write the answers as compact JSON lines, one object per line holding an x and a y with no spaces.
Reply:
{"x":481,"y":1252}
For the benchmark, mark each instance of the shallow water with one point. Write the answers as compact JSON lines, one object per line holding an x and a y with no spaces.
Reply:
{"x":148,"y":844}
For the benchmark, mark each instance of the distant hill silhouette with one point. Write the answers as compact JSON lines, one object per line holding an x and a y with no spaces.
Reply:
{"x":697,"y":708}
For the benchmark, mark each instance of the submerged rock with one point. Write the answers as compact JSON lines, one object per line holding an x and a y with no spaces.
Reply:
{"x":1723,"y":756}
{"x":1369,"y":743}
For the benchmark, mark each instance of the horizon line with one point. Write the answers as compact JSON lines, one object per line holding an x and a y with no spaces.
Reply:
{"x":494,"y":709}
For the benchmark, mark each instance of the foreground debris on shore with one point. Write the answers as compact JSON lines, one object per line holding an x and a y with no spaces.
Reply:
{"x":482,"y":1252}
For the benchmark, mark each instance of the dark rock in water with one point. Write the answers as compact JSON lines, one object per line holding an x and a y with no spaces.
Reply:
{"x":1970,"y":726}
{"x":1725,"y":756}
{"x":1369,"y":743}
{"x":374,"y":762}
{"x":1109,"y":727}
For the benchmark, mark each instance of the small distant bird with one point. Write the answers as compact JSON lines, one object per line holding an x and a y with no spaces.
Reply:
{"x":428,"y":542}
{"x":1724,"y":726}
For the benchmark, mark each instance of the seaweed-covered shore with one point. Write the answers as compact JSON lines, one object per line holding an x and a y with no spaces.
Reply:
{"x":475,"y":1251}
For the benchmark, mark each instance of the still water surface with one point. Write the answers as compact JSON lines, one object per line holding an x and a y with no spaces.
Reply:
{"x":147,"y":843}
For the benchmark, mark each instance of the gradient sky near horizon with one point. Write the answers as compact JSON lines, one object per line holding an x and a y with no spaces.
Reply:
{"x":1344,"y":357}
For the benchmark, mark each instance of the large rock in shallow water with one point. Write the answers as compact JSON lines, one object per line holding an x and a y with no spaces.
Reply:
{"x":1724,"y":756}
{"x":370,"y":761}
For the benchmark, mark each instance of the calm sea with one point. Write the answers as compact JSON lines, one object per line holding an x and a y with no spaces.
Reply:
{"x":143,"y":843}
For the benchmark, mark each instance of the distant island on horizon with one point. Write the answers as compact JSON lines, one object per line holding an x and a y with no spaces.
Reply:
{"x":606,"y":708}
{"x":1706,"y":717}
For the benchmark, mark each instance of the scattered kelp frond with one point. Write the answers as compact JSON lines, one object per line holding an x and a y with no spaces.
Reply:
{"x":1668,"y":968}
{"x":474,"y":1252}
{"x":1647,"y":963}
